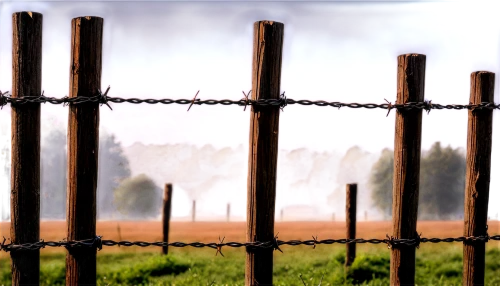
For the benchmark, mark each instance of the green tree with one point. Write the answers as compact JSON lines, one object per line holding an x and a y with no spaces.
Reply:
{"x":113,"y":169}
{"x":381,"y":182}
{"x":442,"y":183}
{"x":138,"y":197}
{"x":53,"y":157}
{"x":4,"y":180}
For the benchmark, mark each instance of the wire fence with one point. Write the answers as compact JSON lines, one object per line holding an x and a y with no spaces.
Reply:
{"x":275,"y":244}
{"x":282,"y":101}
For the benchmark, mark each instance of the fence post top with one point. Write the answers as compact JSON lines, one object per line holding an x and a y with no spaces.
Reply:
{"x":30,"y":13}
{"x":88,"y":18}
{"x":268,"y":22}
{"x":412,"y":55}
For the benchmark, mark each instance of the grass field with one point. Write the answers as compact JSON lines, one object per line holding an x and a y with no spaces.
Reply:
{"x":437,"y":264}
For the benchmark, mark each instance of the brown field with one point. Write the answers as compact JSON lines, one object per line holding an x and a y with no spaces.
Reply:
{"x":235,"y":231}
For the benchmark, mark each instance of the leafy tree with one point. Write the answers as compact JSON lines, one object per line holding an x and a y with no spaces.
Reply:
{"x":53,"y":179}
{"x":138,"y":197}
{"x":113,"y":168}
{"x":442,"y":183}
{"x":381,"y":182}
{"x":4,"y":180}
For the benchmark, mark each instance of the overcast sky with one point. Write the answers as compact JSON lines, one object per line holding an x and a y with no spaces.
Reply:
{"x":334,"y":51}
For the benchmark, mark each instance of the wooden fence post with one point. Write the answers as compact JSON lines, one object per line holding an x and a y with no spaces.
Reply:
{"x":228,"y":212}
{"x":411,"y":79}
{"x":477,"y":178}
{"x":83,"y":144}
{"x":25,"y":172}
{"x":350,"y":215}
{"x":193,"y":214}
{"x":167,"y":203}
{"x":263,"y":153}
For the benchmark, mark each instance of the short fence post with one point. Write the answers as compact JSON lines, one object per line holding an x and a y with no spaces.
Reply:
{"x":167,"y":207}
{"x":263,"y":150}
{"x":350,"y":215}
{"x":25,"y":172}
{"x":228,"y":212}
{"x":83,"y":144}
{"x":477,"y":178}
{"x":193,"y":212}
{"x":407,"y":142}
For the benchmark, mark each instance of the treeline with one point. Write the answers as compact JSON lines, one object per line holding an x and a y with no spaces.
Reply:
{"x":118,"y":195}
{"x":442,"y":183}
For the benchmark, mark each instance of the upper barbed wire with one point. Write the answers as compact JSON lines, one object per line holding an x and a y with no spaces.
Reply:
{"x":282,"y":101}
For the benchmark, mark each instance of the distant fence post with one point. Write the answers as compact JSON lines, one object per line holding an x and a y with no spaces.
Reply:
{"x":350,"y":215}
{"x":193,"y":212}
{"x":228,"y":212}
{"x":83,"y":144}
{"x":477,"y":178}
{"x":407,"y":143}
{"x":25,"y":171}
{"x":167,"y":207}
{"x":263,"y":153}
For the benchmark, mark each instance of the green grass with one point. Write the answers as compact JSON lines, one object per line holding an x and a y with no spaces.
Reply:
{"x":435,"y":265}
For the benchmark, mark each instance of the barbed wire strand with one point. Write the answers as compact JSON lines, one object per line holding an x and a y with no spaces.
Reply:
{"x":282,"y":101}
{"x":275,"y":244}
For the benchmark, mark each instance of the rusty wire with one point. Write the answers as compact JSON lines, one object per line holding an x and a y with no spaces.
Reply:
{"x":282,"y":101}
{"x":274,"y":244}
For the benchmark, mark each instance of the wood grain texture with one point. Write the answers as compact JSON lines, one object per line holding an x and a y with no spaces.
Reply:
{"x":167,"y":207}
{"x":407,"y":142}
{"x":83,"y":144}
{"x":25,"y":156}
{"x":350,"y":215}
{"x":263,"y":153}
{"x":477,"y":176}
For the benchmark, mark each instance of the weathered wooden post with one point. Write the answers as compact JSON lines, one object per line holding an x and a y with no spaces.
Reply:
{"x":407,"y":141}
{"x":167,"y":207}
{"x":263,"y":153}
{"x":350,"y":215}
{"x":477,"y":177}
{"x":83,"y":144}
{"x":25,"y":171}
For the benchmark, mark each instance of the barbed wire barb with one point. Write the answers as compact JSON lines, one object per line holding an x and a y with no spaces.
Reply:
{"x":194,"y":99}
{"x":219,"y":246}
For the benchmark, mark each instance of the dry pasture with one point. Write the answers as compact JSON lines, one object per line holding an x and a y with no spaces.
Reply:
{"x":235,"y":231}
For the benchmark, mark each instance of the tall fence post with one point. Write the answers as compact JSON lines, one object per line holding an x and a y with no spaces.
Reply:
{"x":477,"y":178}
{"x":83,"y":144}
{"x":407,"y":141}
{"x":350,"y":215}
{"x":228,"y":212}
{"x":193,"y":212}
{"x":167,"y":209}
{"x":25,"y":172}
{"x":263,"y":153}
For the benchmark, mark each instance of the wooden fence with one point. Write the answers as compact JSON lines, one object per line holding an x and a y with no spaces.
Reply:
{"x":85,"y":81}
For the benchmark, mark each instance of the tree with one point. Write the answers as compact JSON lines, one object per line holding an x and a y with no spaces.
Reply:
{"x":4,"y":180}
{"x":53,"y":163}
{"x":442,"y":183}
{"x":381,"y":182}
{"x":112,"y":169}
{"x":138,"y":197}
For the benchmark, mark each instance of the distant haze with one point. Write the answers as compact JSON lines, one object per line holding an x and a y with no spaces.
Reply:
{"x":334,"y":51}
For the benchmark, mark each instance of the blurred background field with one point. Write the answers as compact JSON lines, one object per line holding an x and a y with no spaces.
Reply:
{"x":437,"y":264}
